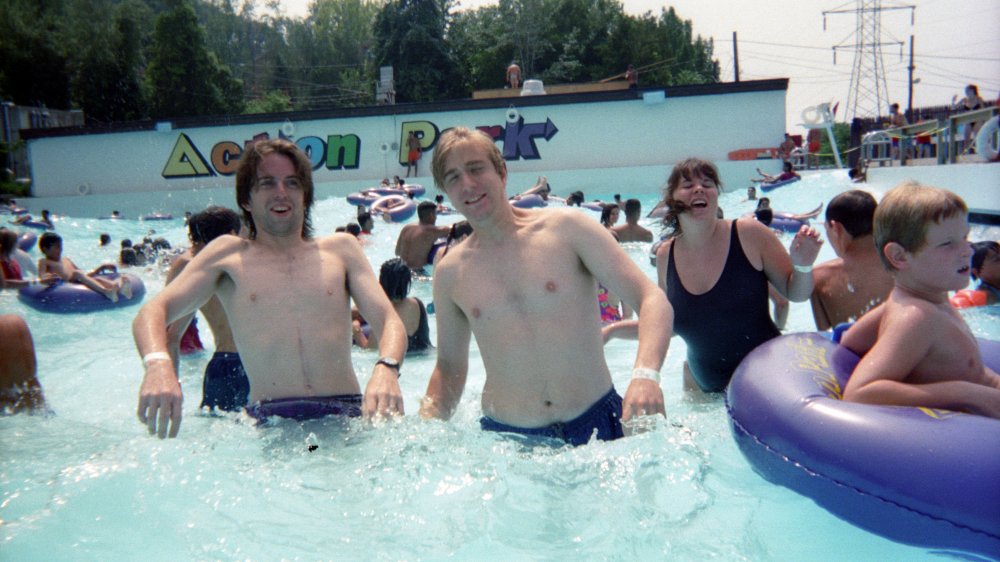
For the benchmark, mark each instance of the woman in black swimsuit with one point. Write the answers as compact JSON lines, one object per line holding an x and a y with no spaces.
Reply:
{"x":715,"y":273}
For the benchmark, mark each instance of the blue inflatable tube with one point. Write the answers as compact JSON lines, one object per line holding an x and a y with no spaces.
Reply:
{"x":27,"y":241}
{"x":158,"y":217}
{"x":394,"y":208}
{"x":363,"y":198}
{"x":36,"y":224}
{"x":529,"y":202}
{"x":770,"y":186}
{"x":785,"y":224}
{"x":923,"y":477}
{"x":68,"y":298}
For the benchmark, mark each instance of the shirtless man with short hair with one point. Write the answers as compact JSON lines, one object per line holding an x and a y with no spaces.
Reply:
{"x":287,"y":296}
{"x":416,"y":241}
{"x":631,"y":231}
{"x":525,"y":283}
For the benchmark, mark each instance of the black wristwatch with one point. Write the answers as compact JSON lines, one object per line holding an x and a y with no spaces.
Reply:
{"x":389,"y":362}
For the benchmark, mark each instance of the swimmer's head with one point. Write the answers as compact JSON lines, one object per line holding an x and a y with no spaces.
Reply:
{"x":246,"y":178}
{"x":8,"y":241}
{"x":395,"y":279}
{"x":855,"y":210}
{"x":907,"y":211}
{"x":105,"y":239}
{"x":690,"y":169}
{"x":49,"y":240}
{"x":427,"y":212}
{"x":787,"y":166}
{"x":207,"y":225}
{"x":608,"y":215}
{"x":986,"y":262}
{"x":458,"y":136}
{"x":575,"y":198}
{"x":633,"y":209}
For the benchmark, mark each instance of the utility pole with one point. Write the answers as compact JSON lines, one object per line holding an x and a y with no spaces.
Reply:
{"x":909,"y":101}
{"x":736,"y":60}
{"x":868,"y":94}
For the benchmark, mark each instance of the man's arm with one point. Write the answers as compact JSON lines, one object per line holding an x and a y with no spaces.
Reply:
{"x":606,"y":260}
{"x":382,"y":394}
{"x":444,"y":389}
{"x":160,"y":395}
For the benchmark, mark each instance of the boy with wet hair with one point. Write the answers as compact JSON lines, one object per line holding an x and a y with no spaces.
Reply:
{"x":917,"y":349}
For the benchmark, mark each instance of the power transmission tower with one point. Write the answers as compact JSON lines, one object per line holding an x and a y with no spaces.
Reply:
{"x":868,"y":94}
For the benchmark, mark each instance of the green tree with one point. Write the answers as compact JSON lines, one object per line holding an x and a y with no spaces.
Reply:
{"x":184,"y":77}
{"x":410,"y":37}
{"x":33,"y":68}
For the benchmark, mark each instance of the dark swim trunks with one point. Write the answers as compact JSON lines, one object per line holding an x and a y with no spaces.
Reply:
{"x":226,"y":385}
{"x":301,"y":409}
{"x":604,"y":416}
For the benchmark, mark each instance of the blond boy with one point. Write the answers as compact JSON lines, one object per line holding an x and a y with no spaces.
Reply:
{"x":918,"y":351}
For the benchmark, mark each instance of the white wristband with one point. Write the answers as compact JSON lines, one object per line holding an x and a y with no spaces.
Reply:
{"x":803,"y":268}
{"x":646,"y":373}
{"x":154,"y":356}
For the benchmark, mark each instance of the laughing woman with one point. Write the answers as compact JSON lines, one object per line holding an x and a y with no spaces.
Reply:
{"x":715,"y":273}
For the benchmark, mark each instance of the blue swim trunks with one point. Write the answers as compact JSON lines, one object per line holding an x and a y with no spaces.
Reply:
{"x":604,"y":416}
{"x":310,"y":408}
{"x":226,"y":385}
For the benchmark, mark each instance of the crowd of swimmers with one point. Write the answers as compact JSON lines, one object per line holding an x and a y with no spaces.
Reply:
{"x":319,"y":297}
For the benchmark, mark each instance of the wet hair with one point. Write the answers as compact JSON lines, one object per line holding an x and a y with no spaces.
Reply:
{"x":907,"y":210}
{"x":606,"y":212}
{"x":160,"y":244}
{"x":395,"y":279}
{"x":575,"y":198}
{"x":353,"y":228}
{"x":685,"y":170}
{"x":207,"y":225}
{"x":129,"y":256}
{"x":439,"y":198}
{"x":48,"y":240}
{"x":979,"y":252}
{"x":633,"y":208}
{"x":453,"y":138}
{"x":364,"y":217}
{"x":855,"y":209}
{"x":787,"y":166}
{"x":246,"y":178}
{"x":425,"y":210}
{"x":105,"y":239}
{"x":765,"y":215}
{"x":8,"y":241}
{"x":456,"y":233}
{"x":126,"y":243}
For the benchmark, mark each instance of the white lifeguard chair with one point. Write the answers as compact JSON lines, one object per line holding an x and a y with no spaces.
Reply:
{"x":821,"y":117}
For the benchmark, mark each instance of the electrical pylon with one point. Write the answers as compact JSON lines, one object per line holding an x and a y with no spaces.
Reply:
{"x":868,"y":95}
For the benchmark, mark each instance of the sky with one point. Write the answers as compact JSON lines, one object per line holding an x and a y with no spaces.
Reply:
{"x":956,"y":42}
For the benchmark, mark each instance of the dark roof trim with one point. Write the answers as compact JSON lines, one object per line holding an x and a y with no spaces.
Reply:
{"x":776,"y":84}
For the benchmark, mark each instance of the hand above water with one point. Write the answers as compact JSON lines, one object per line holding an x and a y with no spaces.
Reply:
{"x":160,"y":400}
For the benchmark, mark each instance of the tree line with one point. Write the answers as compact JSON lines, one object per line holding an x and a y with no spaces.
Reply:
{"x":123,"y":60}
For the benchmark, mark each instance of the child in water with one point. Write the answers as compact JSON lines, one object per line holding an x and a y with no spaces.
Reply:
{"x":917,"y":349}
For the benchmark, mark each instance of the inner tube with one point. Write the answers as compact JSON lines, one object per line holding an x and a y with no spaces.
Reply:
{"x":414,"y":189}
{"x":595,"y":205}
{"x":770,"y":186}
{"x":986,"y":139}
{"x":27,"y":241}
{"x":914,"y":475}
{"x":967,"y":298}
{"x":786,"y":224}
{"x":366,"y":197}
{"x":394,"y":208}
{"x":69,"y":298}
{"x":529,"y":201}
{"x":36,"y":224}
{"x":158,"y":217}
